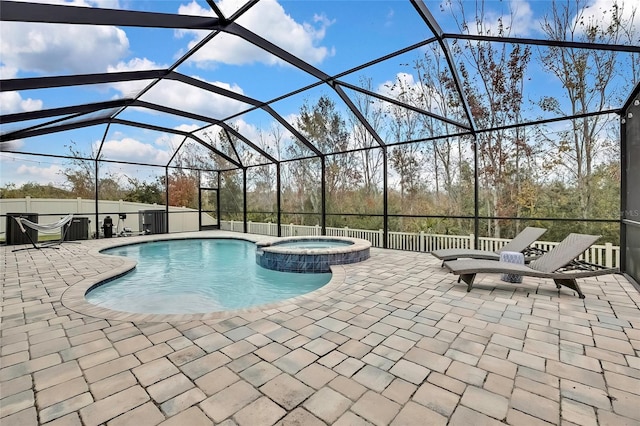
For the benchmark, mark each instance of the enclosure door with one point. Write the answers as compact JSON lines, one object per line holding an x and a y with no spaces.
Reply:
{"x":208,"y":201}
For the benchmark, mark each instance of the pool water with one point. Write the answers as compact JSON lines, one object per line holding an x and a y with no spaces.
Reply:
{"x":198,"y":276}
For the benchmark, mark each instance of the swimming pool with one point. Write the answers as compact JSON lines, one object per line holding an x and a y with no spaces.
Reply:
{"x":197,"y":276}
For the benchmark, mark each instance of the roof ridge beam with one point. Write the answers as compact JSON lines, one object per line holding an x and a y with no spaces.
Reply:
{"x":69,"y":110}
{"x":31,"y":83}
{"x":173,"y":111}
{"x":66,"y":14}
{"x":174,"y":75}
{"x":568,"y":44}
{"x":401,"y":104}
{"x":20,"y":134}
{"x":244,"y":139}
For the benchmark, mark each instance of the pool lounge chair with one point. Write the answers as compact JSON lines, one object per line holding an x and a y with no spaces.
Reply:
{"x":520,"y":243}
{"x":559,"y":264}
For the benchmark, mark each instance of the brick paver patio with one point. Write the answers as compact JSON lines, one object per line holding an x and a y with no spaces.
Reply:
{"x":393,"y":340}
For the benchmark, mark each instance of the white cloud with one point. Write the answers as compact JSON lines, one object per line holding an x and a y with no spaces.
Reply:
{"x":392,"y":89}
{"x":517,"y":20}
{"x":267,"y":19}
{"x":105,"y":4}
{"x":406,"y":89}
{"x":19,"y":170}
{"x":132,"y":88}
{"x":193,"y":99}
{"x":11,"y":102}
{"x":292,"y":118}
{"x":54,"y":48}
{"x":172,"y":141}
{"x":7,"y":72}
{"x":599,"y":12}
{"x":522,"y":21}
{"x":176,"y":94}
{"x":49,"y":174}
{"x":250,"y":131}
{"x":132,"y":150}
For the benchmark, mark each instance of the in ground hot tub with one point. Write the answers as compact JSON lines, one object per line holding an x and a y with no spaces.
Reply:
{"x":310,"y":254}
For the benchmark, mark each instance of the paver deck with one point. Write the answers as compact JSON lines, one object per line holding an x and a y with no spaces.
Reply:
{"x":392,"y":340}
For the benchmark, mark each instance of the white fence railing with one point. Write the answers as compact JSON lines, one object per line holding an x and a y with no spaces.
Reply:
{"x":605,"y":254}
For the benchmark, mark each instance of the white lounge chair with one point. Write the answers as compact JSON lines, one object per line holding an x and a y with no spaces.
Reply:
{"x":520,"y":243}
{"x":559,"y":264}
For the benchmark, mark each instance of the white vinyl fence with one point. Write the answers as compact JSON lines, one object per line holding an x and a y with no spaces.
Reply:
{"x":601,"y":254}
{"x":181,"y":219}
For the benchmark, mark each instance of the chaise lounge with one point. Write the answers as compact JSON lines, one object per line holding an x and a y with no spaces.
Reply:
{"x":520,"y":243}
{"x":559,"y":264}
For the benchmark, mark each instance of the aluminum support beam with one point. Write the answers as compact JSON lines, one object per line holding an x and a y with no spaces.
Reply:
{"x":66,"y":14}
{"x":31,"y":83}
{"x":248,"y":142}
{"x":565,"y":44}
{"x":403,"y":105}
{"x":77,"y":110}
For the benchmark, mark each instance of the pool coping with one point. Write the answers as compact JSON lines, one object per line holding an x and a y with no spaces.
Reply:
{"x":73,"y":297}
{"x":272,"y":244}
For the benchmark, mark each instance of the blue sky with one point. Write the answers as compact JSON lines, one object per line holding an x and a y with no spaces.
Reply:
{"x":333,"y":36}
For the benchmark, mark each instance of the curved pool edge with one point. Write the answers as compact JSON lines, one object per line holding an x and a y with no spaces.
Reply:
{"x":272,"y":243}
{"x":73,"y":298}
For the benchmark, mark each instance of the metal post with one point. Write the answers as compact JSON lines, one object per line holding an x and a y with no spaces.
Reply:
{"x":323,"y":187}
{"x":104,"y":136}
{"x":385,"y":200}
{"x":166,"y":195}
{"x":476,"y":194}
{"x":278,"y":199}
{"x":219,"y":207}
{"x":96,"y":200}
{"x":623,"y":191}
{"x":244,"y":198}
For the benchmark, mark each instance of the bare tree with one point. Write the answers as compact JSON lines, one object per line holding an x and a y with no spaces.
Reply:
{"x":439,"y":96}
{"x":322,"y":124}
{"x":493,"y":76}
{"x":81,"y":176}
{"x":403,"y":124}
{"x":587,"y":78}
{"x":370,"y":159}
